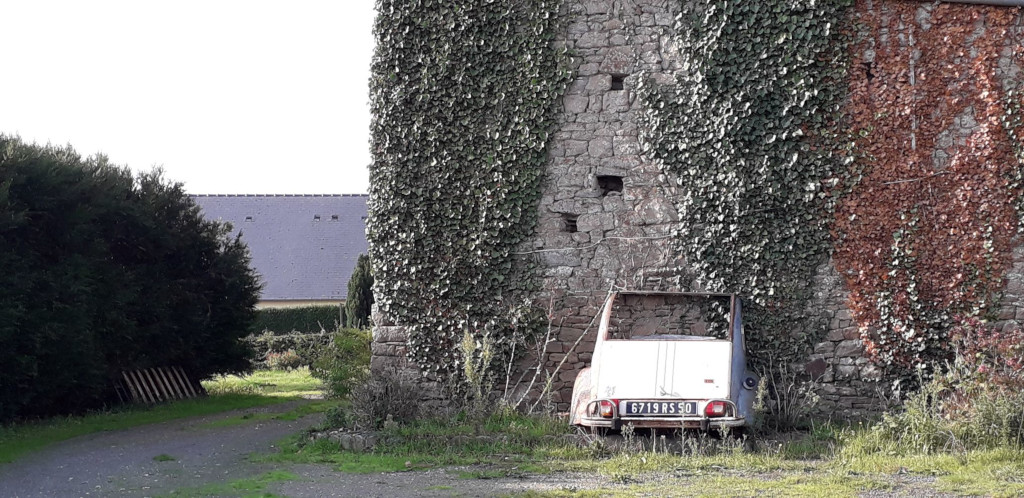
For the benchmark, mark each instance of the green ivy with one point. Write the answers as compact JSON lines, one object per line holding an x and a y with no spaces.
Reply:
{"x":748,"y":134}
{"x":1013,"y":121}
{"x":463,"y":96}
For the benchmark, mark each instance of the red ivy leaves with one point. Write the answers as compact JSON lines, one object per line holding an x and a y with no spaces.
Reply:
{"x":910,"y":105}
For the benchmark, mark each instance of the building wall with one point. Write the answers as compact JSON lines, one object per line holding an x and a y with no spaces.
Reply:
{"x":596,"y":234}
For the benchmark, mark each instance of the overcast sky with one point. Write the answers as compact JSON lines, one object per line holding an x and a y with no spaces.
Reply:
{"x":229,"y":96}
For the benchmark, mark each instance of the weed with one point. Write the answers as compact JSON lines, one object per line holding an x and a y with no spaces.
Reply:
{"x":164,"y":457}
{"x":247,"y":486}
{"x":389,"y":395}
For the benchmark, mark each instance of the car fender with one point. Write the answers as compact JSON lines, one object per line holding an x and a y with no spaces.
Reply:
{"x":581,"y":395}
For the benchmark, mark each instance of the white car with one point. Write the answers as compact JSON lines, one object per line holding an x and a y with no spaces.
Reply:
{"x":667,"y":360}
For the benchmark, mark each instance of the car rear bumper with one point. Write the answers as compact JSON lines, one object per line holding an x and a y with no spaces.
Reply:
{"x":702,"y":422}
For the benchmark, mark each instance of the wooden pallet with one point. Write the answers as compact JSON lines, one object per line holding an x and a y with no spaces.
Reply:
{"x":153,"y":385}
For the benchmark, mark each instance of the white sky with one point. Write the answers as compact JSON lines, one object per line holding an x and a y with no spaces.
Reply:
{"x":229,"y":96}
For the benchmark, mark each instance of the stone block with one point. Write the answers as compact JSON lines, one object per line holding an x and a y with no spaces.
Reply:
{"x":593,"y":7}
{"x":560,"y":258}
{"x":835,"y":334}
{"x":850,"y":348}
{"x":626,"y":146}
{"x":598,"y":221}
{"x":846,"y":372}
{"x":619,"y":60}
{"x":599,"y":83}
{"x":390,"y":334}
{"x":592,"y":39}
{"x":576,"y":104}
{"x":600,"y":147}
{"x":656,"y":211}
{"x":574,"y":147}
{"x":825,"y":348}
{"x":617,"y":101}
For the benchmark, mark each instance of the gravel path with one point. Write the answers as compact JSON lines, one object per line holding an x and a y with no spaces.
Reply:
{"x":121,"y":463}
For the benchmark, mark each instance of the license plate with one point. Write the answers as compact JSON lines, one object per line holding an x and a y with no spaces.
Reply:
{"x":659,"y":408}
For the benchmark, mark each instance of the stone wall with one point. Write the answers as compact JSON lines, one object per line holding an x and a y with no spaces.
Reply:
{"x":607,"y":215}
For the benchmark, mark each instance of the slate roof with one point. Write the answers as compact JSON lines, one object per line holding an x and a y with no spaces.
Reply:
{"x":303,"y":246}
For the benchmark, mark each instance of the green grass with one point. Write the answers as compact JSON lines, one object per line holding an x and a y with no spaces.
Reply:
{"x":164,"y":457}
{"x":255,"y":486}
{"x":277,"y":387}
{"x":512,"y":443}
{"x":293,"y":414}
{"x":814,"y":463}
{"x":276,"y":383}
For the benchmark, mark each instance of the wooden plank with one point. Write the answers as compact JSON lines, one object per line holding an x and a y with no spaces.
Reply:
{"x":153,"y":385}
{"x":184,"y":381}
{"x":140,"y":381}
{"x":161,"y":392}
{"x":163,"y":383}
{"x":169,"y":379}
{"x":136,"y":396}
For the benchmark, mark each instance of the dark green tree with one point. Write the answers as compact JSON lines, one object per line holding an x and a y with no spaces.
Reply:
{"x":360,"y":295}
{"x":103,"y":271}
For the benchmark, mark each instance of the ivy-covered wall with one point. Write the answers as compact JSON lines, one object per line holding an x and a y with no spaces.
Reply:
{"x":789,"y":151}
{"x":927,"y":234}
{"x":464,"y":97}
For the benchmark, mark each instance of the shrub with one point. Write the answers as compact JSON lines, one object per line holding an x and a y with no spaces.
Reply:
{"x":103,"y":271}
{"x":385,"y":397}
{"x":287,"y":360}
{"x":977,"y":404}
{"x":307,"y":347}
{"x":303,"y":320}
{"x":344,"y":362}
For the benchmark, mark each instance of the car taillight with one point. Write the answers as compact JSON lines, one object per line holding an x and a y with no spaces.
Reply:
{"x":715,"y":409}
{"x":607,"y":408}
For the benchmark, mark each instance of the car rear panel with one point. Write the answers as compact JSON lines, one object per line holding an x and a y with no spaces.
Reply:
{"x":664,"y":369}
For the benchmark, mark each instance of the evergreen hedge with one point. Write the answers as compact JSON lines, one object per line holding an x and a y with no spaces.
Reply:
{"x":103,"y":271}
{"x":307,"y":319}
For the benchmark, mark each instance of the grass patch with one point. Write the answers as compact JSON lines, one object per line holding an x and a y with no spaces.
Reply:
{"x":511,"y":442}
{"x":164,"y":457}
{"x":254,"y":486}
{"x":274,"y":387}
{"x":293,"y":414}
{"x":276,"y":383}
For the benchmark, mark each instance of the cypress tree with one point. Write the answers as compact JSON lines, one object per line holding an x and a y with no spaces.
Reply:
{"x":360,"y":294}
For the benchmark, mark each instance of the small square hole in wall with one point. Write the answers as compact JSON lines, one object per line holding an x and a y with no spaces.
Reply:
{"x":618,"y":81}
{"x":316,"y":217}
{"x":570,"y":223}
{"x":334,"y":217}
{"x":248,"y":218}
{"x":609,"y":184}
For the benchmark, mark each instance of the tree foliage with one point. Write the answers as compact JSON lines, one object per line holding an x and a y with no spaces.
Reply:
{"x":360,"y":295}
{"x":103,"y":272}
